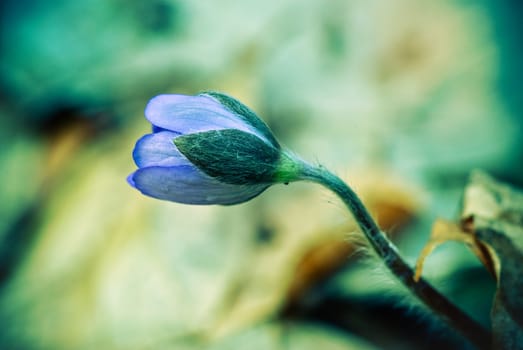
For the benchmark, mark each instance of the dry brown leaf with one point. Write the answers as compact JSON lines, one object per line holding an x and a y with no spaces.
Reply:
{"x":444,"y":231}
{"x":494,"y":212}
{"x":492,"y":226}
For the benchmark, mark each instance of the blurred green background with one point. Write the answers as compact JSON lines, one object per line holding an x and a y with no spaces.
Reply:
{"x":402,"y":98}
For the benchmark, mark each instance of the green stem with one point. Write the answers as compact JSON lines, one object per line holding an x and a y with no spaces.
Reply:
{"x":388,"y":252}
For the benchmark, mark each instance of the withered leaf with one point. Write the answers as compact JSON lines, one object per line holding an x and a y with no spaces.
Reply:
{"x":444,"y":231}
{"x":494,"y":212}
{"x":491,"y":224}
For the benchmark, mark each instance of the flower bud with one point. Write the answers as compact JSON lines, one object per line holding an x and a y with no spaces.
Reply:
{"x":207,"y":149}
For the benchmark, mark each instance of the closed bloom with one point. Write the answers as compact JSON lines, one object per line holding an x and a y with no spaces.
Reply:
{"x":207,"y":149}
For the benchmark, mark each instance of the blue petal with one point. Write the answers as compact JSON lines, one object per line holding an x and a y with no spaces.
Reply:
{"x":186,"y":184}
{"x":130,"y":180}
{"x":158,"y":129}
{"x":158,"y":149}
{"x":191,"y":114}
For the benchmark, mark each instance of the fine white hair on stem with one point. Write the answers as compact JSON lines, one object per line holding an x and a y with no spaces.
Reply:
{"x":390,"y":256}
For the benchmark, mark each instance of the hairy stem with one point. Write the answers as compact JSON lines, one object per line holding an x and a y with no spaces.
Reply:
{"x":388,"y":252}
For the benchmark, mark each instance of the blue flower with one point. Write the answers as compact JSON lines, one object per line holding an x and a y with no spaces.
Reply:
{"x":206,"y":149}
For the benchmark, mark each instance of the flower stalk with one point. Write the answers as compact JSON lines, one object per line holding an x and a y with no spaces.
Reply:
{"x":388,"y":253}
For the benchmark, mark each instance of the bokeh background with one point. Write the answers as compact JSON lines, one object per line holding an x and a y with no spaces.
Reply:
{"x":402,"y":98}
